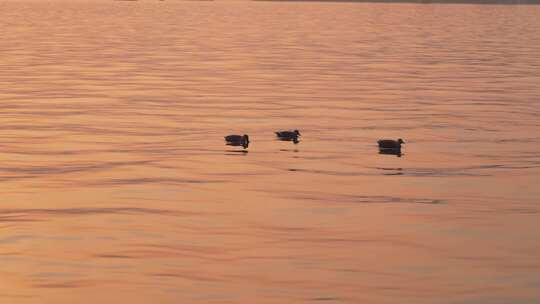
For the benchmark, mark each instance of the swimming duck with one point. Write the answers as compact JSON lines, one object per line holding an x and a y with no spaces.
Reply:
{"x":237,"y":140}
{"x":289,"y":135}
{"x":390,"y":144}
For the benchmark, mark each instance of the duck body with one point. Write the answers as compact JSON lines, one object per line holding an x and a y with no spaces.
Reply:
{"x":237,"y":140}
{"x":390,"y":144}
{"x":288,"y":135}
{"x":396,"y":152}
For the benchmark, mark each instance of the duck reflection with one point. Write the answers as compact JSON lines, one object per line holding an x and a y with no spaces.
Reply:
{"x":236,"y":152}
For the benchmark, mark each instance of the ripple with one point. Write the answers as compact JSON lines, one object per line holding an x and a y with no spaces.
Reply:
{"x":148,"y":180}
{"x":70,"y":168}
{"x":362,"y":199}
{"x":29,"y":215}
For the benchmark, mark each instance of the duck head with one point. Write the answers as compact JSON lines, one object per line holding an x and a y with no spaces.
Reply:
{"x":400,"y":141}
{"x":297,"y":133}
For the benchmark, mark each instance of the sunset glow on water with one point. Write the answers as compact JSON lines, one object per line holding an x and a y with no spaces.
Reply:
{"x":116,"y":185}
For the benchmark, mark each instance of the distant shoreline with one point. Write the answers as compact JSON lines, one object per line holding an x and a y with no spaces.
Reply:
{"x":504,"y":2}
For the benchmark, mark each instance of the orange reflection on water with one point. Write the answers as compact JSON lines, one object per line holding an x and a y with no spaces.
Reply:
{"x":116,"y":184}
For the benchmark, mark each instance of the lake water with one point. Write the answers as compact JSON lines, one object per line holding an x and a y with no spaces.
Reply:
{"x":116,"y":185}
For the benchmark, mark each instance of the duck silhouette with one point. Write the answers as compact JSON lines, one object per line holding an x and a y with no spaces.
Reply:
{"x":390,"y":146}
{"x":237,"y":140}
{"x":289,"y":135}
{"x":390,"y":143}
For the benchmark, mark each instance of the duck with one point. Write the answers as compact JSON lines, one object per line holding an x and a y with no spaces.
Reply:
{"x":289,"y":135}
{"x":237,"y":140}
{"x":390,"y":144}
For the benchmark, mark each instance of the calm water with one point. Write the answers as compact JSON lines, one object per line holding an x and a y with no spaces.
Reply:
{"x":116,"y":185}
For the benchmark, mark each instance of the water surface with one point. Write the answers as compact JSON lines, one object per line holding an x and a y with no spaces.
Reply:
{"x":116,"y":185}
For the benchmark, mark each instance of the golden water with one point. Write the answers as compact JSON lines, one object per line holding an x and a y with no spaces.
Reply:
{"x":116,"y":185}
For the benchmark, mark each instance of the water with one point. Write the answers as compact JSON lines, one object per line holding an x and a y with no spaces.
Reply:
{"x":116,"y":185}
